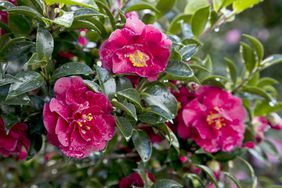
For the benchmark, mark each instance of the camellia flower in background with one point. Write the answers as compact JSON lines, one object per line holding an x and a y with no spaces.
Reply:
{"x":15,"y":142}
{"x":136,"y":49}
{"x":275,"y":121}
{"x":134,"y":179}
{"x":215,"y":119}
{"x":78,"y":120}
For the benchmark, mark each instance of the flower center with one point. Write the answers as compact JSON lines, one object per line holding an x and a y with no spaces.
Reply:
{"x":85,"y":118}
{"x":216,"y":119}
{"x":138,"y":59}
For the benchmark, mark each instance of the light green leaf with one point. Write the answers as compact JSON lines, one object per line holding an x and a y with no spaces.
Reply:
{"x":257,"y":91}
{"x":65,"y":19}
{"x":194,"y":5}
{"x":231,"y":69}
{"x":72,"y":68}
{"x":232,"y":178}
{"x":92,"y":85}
{"x":142,"y":6}
{"x":248,"y":56}
{"x":125,"y":127}
{"x":199,"y":20}
{"x":241,"y":5}
{"x":257,"y":45}
{"x":142,"y":144}
{"x":22,"y":99}
{"x":25,"y":10}
{"x":165,"y":5}
{"x":271,"y":60}
{"x":82,"y":3}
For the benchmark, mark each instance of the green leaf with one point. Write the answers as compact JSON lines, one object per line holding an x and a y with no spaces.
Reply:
{"x":92,"y":85}
{"x":44,"y":44}
{"x":179,"y":70}
{"x":200,"y":20}
{"x":84,"y":13}
{"x":123,"y":83}
{"x":271,"y":60}
{"x":82,"y":3}
{"x":142,"y":144}
{"x":162,"y":98}
{"x":72,"y":68}
{"x":65,"y":19}
{"x":210,"y":173}
{"x":84,"y":24}
{"x":162,"y":113}
{"x":132,"y":95}
{"x":169,"y":135}
{"x":266,"y":81}
{"x":175,"y":24}
{"x":142,"y":6}
{"x":26,"y":81}
{"x":103,"y":6}
{"x":257,"y":91}
{"x":257,"y":45}
{"x":231,"y":69}
{"x":150,"y":118}
{"x":25,"y":10}
{"x":6,"y":5}
{"x":188,"y":51}
{"x":19,"y":24}
{"x":127,"y":107}
{"x":165,"y":5}
{"x":8,"y":80}
{"x":103,"y":74}
{"x":22,"y":99}
{"x":109,"y":87}
{"x":194,"y":177}
{"x":215,"y":80}
{"x":241,"y":5}
{"x":167,"y":183}
{"x":232,"y":178}
{"x":248,"y":56}
{"x":194,"y":5}
{"x":34,"y":62}
{"x":125,"y":127}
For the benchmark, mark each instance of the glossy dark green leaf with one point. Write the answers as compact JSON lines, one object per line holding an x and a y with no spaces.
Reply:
{"x":215,"y":81}
{"x":44,"y":44}
{"x":123,"y":83}
{"x":132,"y":95}
{"x":167,"y":183}
{"x":179,"y":70}
{"x":200,"y":20}
{"x":271,"y":60}
{"x":22,"y":99}
{"x":26,"y":81}
{"x":241,"y":5}
{"x":9,"y":79}
{"x":25,"y":10}
{"x":188,"y":51}
{"x":6,"y":5}
{"x":257,"y":45}
{"x":83,"y":13}
{"x":127,"y":107}
{"x":65,"y":19}
{"x":248,"y":56}
{"x":169,"y":135}
{"x":92,"y":85}
{"x":103,"y":6}
{"x":162,"y":113}
{"x":142,"y":144}
{"x":103,"y":74}
{"x":19,"y":24}
{"x":72,"y":68}
{"x":125,"y":127}
{"x":233,"y":179}
{"x":34,"y":62}
{"x":210,"y":173}
{"x":142,"y":6}
{"x":151,"y":118}
{"x":109,"y":87}
{"x":84,"y":24}
{"x":231,"y":69}
{"x":162,"y":98}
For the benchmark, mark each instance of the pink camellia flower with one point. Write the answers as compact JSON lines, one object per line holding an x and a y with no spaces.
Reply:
{"x":134,"y":179}
{"x":78,"y":120}
{"x":136,"y":49}
{"x":275,"y":121}
{"x":15,"y":142}
{"x":215,"y":119}
{"x":260,"y":124}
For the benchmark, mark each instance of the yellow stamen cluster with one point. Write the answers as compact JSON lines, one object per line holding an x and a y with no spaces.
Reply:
{"x":138,"y":59}
{"x":217,"y":119}
{"x":85,"y":118}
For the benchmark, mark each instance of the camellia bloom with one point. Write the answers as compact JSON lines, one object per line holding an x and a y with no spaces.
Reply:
{"x":78,"y":120}
{"x":260,"y":124}
{"x":15,"y":142}
{"x":215,"y":119}
{"x":134,"y":179}
{"x":136,"y":49}
{"x":275,"y":121}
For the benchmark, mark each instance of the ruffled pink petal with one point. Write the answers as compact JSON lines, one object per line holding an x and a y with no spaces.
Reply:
{"x":7,"y":142}
{"x":61,"y":86}
{"x":100,"y":100}
{"x":60,"y":108}
{"x":61,"y":131}
{"x":49,"y":119}
{"x":135,"y":25}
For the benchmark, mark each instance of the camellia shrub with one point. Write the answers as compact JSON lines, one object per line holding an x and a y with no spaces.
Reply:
{"x":119,"y":93}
